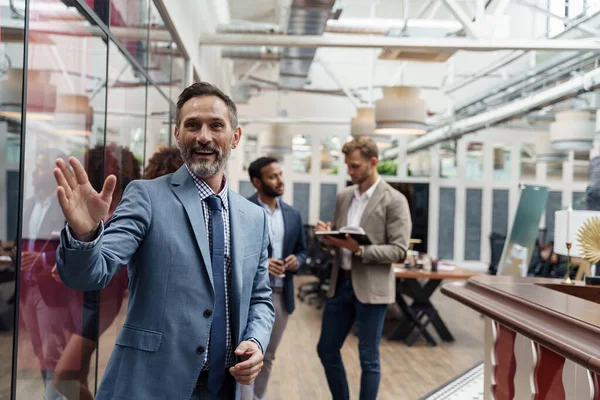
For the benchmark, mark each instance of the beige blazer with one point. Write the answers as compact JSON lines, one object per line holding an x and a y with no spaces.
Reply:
{"x":386,"y":220}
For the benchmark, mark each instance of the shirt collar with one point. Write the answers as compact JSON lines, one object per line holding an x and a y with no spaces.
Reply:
{"x":369,"y":192}
{"x":264,"y":205}
{"x":205,"y":191}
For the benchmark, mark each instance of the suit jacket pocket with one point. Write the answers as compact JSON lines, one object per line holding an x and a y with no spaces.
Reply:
{"x":252,"y":249}
{"x":139,"y":338}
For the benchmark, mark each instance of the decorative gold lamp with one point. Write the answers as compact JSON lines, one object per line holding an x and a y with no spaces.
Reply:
{"x":588,"y":237}
{"x":577,"y":234}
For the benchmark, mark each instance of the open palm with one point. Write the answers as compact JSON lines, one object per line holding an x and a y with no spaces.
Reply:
{"x":81,"y":205}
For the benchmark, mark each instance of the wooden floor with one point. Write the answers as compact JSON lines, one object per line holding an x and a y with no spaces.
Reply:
{"x":408,"y":373}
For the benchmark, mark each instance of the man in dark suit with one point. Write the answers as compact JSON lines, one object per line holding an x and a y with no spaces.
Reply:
{"x":287,"y":253}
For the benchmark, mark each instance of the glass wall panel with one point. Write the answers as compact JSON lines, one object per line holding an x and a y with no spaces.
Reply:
{"x":448,"y":160}
{"x":124,"y":155}
{"x":302,"y":151}
{"x":446,"y":217}
{"x":129,"y":23}
{"x":331,"y":149}
{"x":161,"y":51}
{"x":419,"y":164}
{"x":126,"y":119}
{"x":65,"y":117}
{"x":11,"y":101}
{"x":302,"y":199}
{"x":502,"y":162}
{"x":527,"y":162}
{"x":157,"y":122}
{"x":474,"y":161}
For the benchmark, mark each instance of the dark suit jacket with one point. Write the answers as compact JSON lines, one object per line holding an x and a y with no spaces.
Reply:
{"x":293,"y":243}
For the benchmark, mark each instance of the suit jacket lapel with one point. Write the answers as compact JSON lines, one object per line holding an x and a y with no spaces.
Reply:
{"x":345,"y":208}
{"x":237,"y":223}
{"x":288,"y":219}
{"x":186,"y":191}
{"x":373,"y":202}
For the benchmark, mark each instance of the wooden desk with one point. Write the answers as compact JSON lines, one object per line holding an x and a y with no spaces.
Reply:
{"x":421,"y":311}
{"x":538,"y":331}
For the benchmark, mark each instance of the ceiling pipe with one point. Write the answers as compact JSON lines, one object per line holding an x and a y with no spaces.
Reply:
{"x":293,"y":121}
{"x":573,"y":87}
{"x":413,"y":44}
{"x":514,"y":56}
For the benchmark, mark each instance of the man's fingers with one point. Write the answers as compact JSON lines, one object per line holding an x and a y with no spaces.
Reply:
{"x":62,"y":198}
{"x":109,"y":187}
{"x":249,"y":371}
{"x":68,"y":175}
{"x":61,"y":181}
{"x":80,"y":173}
{"x":254,"y":360}
{"x":242,"y":348}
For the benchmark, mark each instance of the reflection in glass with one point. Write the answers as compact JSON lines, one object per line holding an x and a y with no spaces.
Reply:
{"x":11,"y":87}
{"x":448,"y":165}
{"x":65,"y":117}
{"x":474,"y":161}
{"x":129,"y":23}
{"x":527,"y":161}
{"x":501,"y":162}
{"x":157,"y":122}
{"x":161,"y":50}
{"x":125,"y":122}
{"x":331,"y":149}
{"x":302,"y":150}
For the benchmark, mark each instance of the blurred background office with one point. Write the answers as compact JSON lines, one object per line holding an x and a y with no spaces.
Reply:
{"x":461,"y":133}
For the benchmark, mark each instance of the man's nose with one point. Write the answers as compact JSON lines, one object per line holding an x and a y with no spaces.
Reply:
{"x":204,"y":135}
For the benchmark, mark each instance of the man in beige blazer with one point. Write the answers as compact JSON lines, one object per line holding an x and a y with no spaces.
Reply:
{"x":362,"y":282}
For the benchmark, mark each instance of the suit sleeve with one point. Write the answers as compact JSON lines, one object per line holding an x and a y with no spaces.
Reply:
{"x":398,"y":226}
{"x":300,"y":249}
{"x":261,"y":315}
{"x":92,"y":267}
{"x":336,"y":210}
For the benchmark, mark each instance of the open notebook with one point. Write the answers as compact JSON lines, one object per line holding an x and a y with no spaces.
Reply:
{"x":355,"y":231}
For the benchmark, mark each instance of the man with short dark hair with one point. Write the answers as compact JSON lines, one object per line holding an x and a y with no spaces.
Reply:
{"x":200,"y":312}
{"x":362,"y":281}
{"x":287,"y":253}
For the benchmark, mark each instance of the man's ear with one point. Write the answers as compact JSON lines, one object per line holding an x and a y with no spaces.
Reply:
{"x":176,"y":134}
{"x":237,"y":135}
{"x":257,"y":183}
{"x":374,"y":161}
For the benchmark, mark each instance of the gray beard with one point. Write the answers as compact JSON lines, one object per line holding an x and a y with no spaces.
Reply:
{"x":204,"y":169}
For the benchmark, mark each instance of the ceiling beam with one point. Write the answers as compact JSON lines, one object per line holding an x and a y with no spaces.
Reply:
{"x":462,"y":17}
{"x":424,"y":45}
{"x":581,"y":27}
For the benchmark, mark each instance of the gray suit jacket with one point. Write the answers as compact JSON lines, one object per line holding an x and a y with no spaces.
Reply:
{"x":386,"y":220}
{"x":158,"y":231}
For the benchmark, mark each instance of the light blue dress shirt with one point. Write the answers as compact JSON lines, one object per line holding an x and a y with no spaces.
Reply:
{"x":276,"y":233}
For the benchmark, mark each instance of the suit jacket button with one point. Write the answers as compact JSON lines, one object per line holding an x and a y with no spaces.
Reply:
{"x":200,"y":349}
{"x":207,"y":313}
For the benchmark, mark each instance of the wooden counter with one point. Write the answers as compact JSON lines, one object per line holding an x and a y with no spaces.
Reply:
{"x":542,"y":338}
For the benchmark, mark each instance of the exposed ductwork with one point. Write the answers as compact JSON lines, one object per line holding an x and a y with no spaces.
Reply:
{"x":571,"y":88}
{"x":307,"y":17}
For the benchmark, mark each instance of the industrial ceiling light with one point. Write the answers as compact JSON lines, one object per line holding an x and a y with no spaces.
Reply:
{"x":572,"y":130}
{"x":400,"y":112}
{"x":364,"y":122}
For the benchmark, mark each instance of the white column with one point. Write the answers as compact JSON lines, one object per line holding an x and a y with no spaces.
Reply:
{"x":567,"y":176}
{"x":487,"y":199}
{"x":460,"y":202}
{"x":434,"y":201}
{"x":315,"y":181}
{"x":401,"y":159}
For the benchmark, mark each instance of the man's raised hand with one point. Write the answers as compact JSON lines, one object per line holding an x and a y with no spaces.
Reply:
{"x":81,"y":205}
